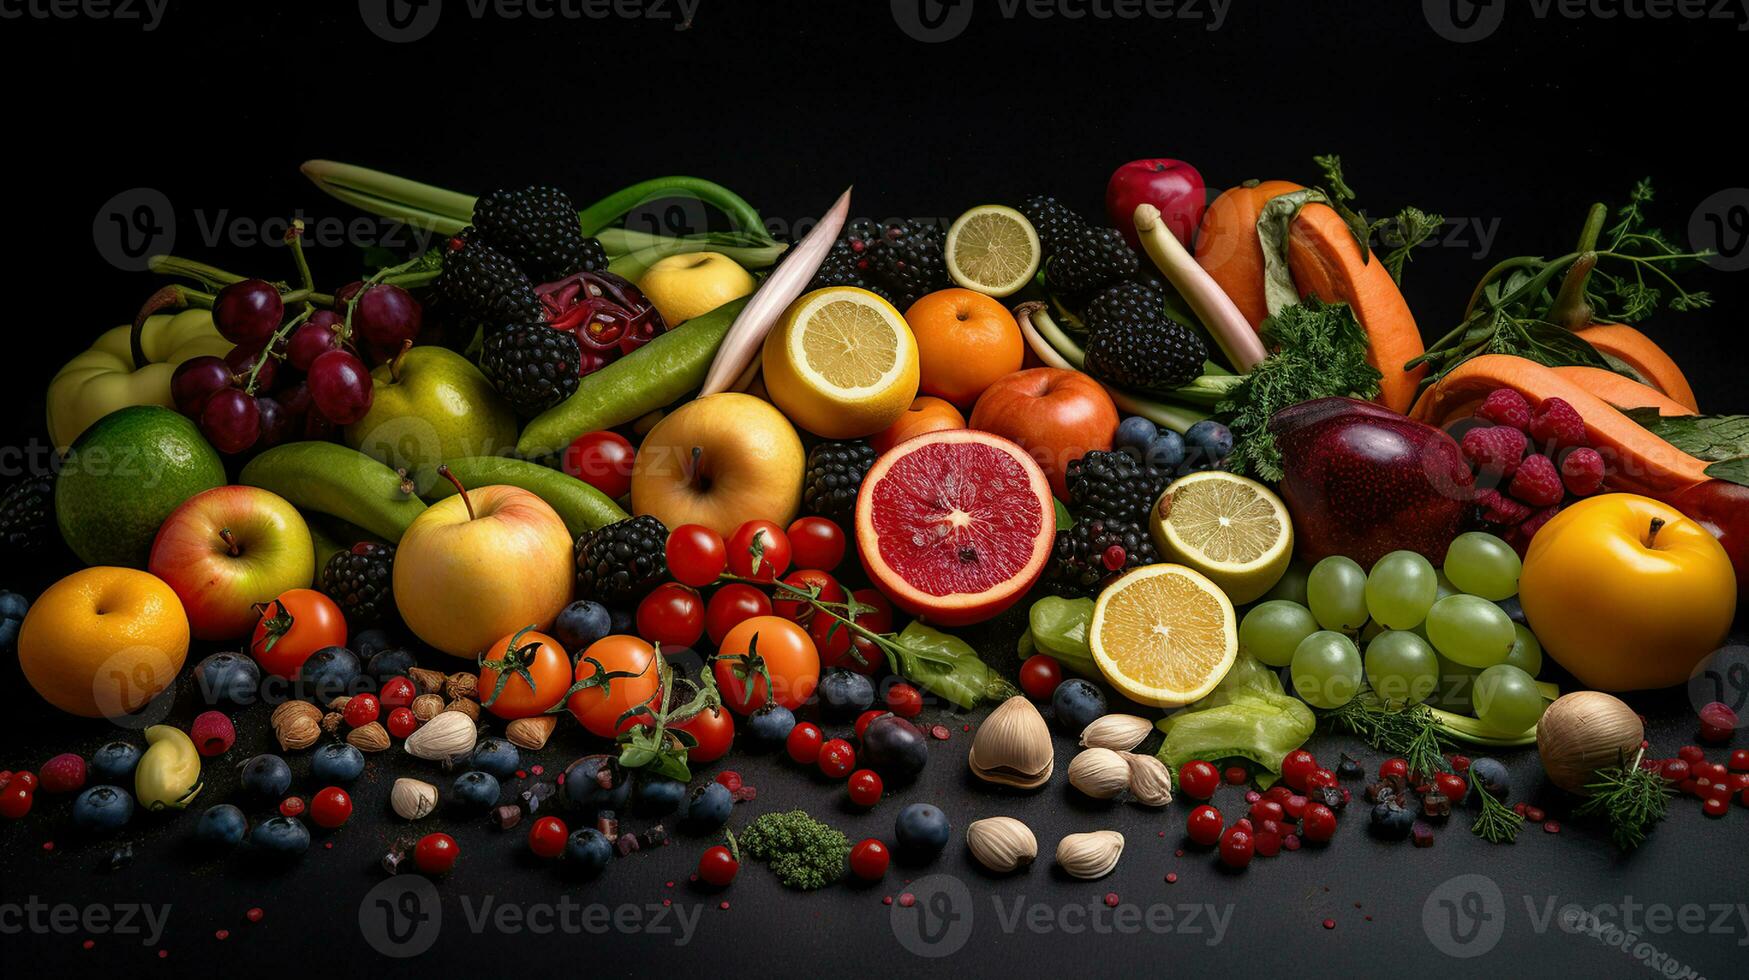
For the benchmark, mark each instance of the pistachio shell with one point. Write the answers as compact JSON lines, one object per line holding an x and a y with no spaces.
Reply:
{"x":1013,"y":746}
{"x":1120,"y":733}
{"x":1001,"y":844}
{"x":1150,"y":780}
{"x":1100,"y":773}
{"x":1091,"y":855}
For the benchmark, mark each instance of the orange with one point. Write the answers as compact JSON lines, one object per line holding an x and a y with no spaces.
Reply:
{"x":926,"y":414}
{"x":966,"y":340}
{"x":103,"y":641}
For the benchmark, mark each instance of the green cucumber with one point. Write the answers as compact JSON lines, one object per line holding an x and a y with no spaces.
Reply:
{"x":653,"y":376}
{"x":329,"y":478}
{"x":579,"y":505}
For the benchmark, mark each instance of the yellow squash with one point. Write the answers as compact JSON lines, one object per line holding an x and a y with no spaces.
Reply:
{"x":103,"y":378}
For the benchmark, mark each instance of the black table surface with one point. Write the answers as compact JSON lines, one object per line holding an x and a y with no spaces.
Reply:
{"x":1508,"y":120}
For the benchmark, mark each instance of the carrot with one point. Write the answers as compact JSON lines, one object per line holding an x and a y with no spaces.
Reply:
{"x":1640,"y":462}
{"x":1227,"y":247}
{"x":1327,"y":262}
{"x":1622,"y":391}
{"x":1648,"y":360}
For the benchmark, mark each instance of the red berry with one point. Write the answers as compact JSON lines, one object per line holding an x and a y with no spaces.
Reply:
{"x":730,"y":779}
{"x":1198,"y":779}
{"x":1497,"y":508}
{"x":1114,"y":557}
{"x":291,"y":806}
{"x":836,"y":758}
{"x":330,"y":807}
{"x":1740,"y":760}
{"x":1582,"y":471}
{"x":1555,"y":423}
{"x":803,"y":743}
{"x":1494,"y":450}
{"x":1534,"y":523}
{"x":717,"y":866}
{"x":547,"y":837}
{"x":863,"y":719}
{"x":24,"y":778}
{"x":1503,"y":406}
{"x":1537,"y":483}
{"x":1267,"y":842}
{"x":65,"y":773}
{"x":1204,"y":825}
{"x":1237,"y":846}
{"x":1717,"y":722}
{"x":212,"y":732}
{"x":1295,"y":767}
{"x":1040,"y":675}
{"x":868,"y":860}
{"x":15,"y":800}
{"x":1715,"y":807}
{"x":1453,"y":787}
{"x":402,"y":722}
{"x":1318,"y":823}
{"x":1236,"y":775}
{"x":396,"y":692}
{"x":1691,"y":754}
{"x":1267,"y":810}
{"x":435,"y":854}
{"x":1320,"y":778}
{"x":1294,"y":807}
{"x":866,"y":787}
{"x":361,"y":710}
{"x":904,"y":700}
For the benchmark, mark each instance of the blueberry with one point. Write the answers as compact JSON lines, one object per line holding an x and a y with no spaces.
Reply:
{"x":844,"y":694}
{"x":114,"y":762}
{"x":582,"y":623}
{"x":498,"y":757}
{"x":1165,"y":451}
{"x":1076,"y":704}
{"x":327,"y":674}
{"x":476,"y":790}
{"x":102,"y":809}
{"x":267,"y":776}
{"x":922,"y":829}
{"x":584,"y":785}
{"x":659,"y":796}
{"x":623,"y":621}
{"x":12,"y":609}
{"x":587,"y":851}
{"x":281,"y":837}
{"x":710,"y":805}
{"x":228,"y":677}
{"x":1210,"y":440}
{"x":389,"y":662}
{"x":1513,"y":609}
{"x":222,"y":825}
{"x":1391,"y":821}
{"x":1491,"y":775}
{"x":1135,"y":433}
{"x":770,"y":724}
{"x":368,"y":643}
{"x":336,"y":763}
{"x":894,"y":747}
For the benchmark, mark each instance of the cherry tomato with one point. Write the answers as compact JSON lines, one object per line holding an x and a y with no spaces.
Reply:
{"x":816,"y":542}
{"x":759,"y":550}
{"x":766,"y":645}
{"x":402,"y":722}
{"x":803,"y":743}
{"x":1394,"y":767}
{"x":1295,"y":767}
{"x":1267,"y":810}
{"x":1237,"y":847}
{"x":296,"y":624}
{"x":547,"y":837}
{"x":904,"y":700}
{"x":1204,"y":825}
{"x":1198,"y":779}
{"x":717,"y":866}
{"x":504,"y":690}
{"x":865,"y":787}
{"x":1452,"y":786}
{"x":863,"y":719}
{"x":397,"y":692}
{"x":810,"y":580}
{"x":841,"y":647}
{"x":1319,"y":778}
{"x":330,"y":807}
{"x":1318,"y":824}
{"x":732,"y":605}
{"x":868,"y":860}
{"x":601,"y":459}
{"x":1040,"y":675}
{"x":15,"y":800}
{"x":609,"y":695}
{"x":361,"y":710}
{"x":837,"y":758}
{"x":672,"y":615}
{"x":435,"y":854}
{"x":713,"y":729}
{"x":696,"y":555}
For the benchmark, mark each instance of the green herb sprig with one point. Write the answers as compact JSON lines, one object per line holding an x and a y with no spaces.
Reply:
{"x":1632,"y":799}
{"x":1410,"y":732}
{"x":1497,"y":823}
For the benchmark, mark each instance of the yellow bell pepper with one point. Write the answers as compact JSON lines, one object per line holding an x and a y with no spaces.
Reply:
{"x":168,"y":774}
{"x":103,"y":378}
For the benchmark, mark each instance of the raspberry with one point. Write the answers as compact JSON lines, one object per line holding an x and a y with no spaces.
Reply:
{"x":1503,"y":406}
{"x":1536,"y":482}
{"x":1535,"y":522}
{"x":212,"y":732}
{"x":1495,"y":449}
{"x":62,"y":774}
{"x":1557,"y":424}
{"x":1497,"y":508}
{"x":1582,"y":471}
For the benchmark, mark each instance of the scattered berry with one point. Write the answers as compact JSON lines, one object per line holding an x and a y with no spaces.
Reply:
{"x":435,"y":854}
{"x":1494,"y":450}
{"x":65,"y":773}
{"x":212,"y":732}
{"x":291,"y":806}
{"x":904,"y":700}
{"x":402,"y":722}
{"x":330,"y":807}
{"x":1497,"y":508}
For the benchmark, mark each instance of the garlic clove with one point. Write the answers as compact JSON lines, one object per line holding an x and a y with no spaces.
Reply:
{"x":446,"y":736}
{"x":1001,"y":844}
{"x":1150,"y":779}
{"x":1100,"y":773}
{"x":412,"y":799}
{"x":1117,"y":732}
{"x":1091,"y":855}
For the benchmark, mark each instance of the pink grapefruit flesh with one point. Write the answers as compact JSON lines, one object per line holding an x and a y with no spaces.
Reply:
{"x":955,"y":525}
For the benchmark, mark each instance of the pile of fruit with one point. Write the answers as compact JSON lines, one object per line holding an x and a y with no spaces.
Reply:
{"x":660,"y":498}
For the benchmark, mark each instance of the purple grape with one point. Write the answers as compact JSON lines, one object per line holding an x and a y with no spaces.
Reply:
{"x":276,"y":422}
{"x":195,"y":379}
{"x":340,"y":387}
{"x":248,"y":312}
{"x":386,"y":318}
{"x":241,"y":359}
{"x":314,"y":337}
{"x":230,"y":420}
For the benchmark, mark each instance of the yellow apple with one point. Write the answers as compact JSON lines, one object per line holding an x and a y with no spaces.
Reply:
{"x":481,"y":565}
{"x":720,"y":461}
{"x":687,"y":285}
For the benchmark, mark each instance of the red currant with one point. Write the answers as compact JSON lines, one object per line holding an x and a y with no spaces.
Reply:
{"x":361,"y":710}
{"x":1691,"y":754}
{"x":868,"y":860}
{"x":1452,"y":786}
{"x":730,"y":779}
{"x":1040,"y":675}
{"x":1267,"y":810}
{"x":401,"y":722}
{"x":1295,"y":767}
{"x":1198,"y":779}
{"x":1740,"y":760}
{"x":1715,"y":807}
{"x":1294,"y":806}
{"x":435,"y":854}
{"x":15,"y":800}
{"x":1237,"y":846}
{"x":1394,"y":767}
{"x":1318,"y":823}
{"x":1236,"y":775}
{"x":396,"y":692}
{"x":816,"y":543}
{"x":717,"y":866}
{"x":1320,"y":778}
{"x":803,"y":743}
{"x":330,"y":807}
{"x":904,"y":700}
{"x":291,"y":806}
{"x":1204,"y":825}
{"x":865,"y":787}
{"x":1676,"y":770}
{"x":696,"y":555}
{"x":547,"y":837}
{"x":836,"y":758}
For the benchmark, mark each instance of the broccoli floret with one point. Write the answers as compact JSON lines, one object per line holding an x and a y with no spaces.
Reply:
{"x":803,"y":852}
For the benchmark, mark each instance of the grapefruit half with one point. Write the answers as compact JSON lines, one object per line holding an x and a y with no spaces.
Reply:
{"x":955,"y":525}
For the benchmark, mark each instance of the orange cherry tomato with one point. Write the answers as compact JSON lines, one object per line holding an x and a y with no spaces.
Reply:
{"x":293,"y":626}
{"x":526,"y":652}
{"x":766,"y":645}
{"x":622,"y":674}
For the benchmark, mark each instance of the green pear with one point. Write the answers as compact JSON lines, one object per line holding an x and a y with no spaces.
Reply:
{"x":428,"y":405}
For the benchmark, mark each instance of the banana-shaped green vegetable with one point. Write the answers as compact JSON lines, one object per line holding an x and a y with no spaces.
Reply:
{"x":579,"y":505}
{"x":329,"y":478}
{"x":168,"y":774}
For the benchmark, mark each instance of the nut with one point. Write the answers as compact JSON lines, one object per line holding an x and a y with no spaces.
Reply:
{"x":369,"y":738}
{"x":1150,"y":780}
{"x":297,"y":732}
{"x":1100,"y":773}
{"x":1001,"y":843}
{"x":531,"y":733}
{"x":412,"y":799}
{"x":450,"y":734}
{"x":339,"y":704}
{"x":332,"y":721}
{"x":426,"y":681}
{"x":294,"y":709}
{"x":465,"y":706}
{"x":1089,"y":856}
{"x":426,"y":706}
{"x":459,"y":685}
{"x":1013,"y":746}
{"x":1120,"y":733}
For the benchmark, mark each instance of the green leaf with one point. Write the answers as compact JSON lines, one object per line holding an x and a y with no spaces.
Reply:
{"x":1065,"y":520}
{"x":1735,"y":470}
{"x":1716,"y":438}
{"x":1548,"y":344}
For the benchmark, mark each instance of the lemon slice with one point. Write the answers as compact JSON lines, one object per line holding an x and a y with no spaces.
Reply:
{"x":842,"y":363}
{"x":1234,"y":530}
{"x":992,"y":249}
{"x":1163,"y":635}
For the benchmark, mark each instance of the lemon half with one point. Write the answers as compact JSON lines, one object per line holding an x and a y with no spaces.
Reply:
{"x":992,"y":249}
{"x":1231,"y":529}
{"x":842,"y":363}
{"x":1163,"y":635}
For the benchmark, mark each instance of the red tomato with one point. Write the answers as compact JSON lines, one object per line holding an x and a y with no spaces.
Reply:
{"x":808,"y":580}
{"x":545,"y":661}
{"x":1040,"y":675}
{"x":1318,"y":824}
{"x":547,"y":837}
{"x":841,"y":647}
{"x":397,"y":692}
{"x":601,"y":459}
{"x":696,"y":555}
{"x":865,"y":787}
{"x":672,"y":615}
{"x":1204,"y":825}
{"x":803,"y":743}
{"x":761,"y":646}
{"x":730,"y":606}
{"x":436,"y":853}
{"x":713,"y":729}
{"x":904,"y":700}
{"x":717,"y":866}
{"x":622,"y":674}
{"x":816,"y":542}
{"x":837,"y":758}
{"x":759,"y":550}
{"x":361,"y":710}
{"x":1198,"y":779}
{"x":293,"y":626}
{"x":1295,"y":767}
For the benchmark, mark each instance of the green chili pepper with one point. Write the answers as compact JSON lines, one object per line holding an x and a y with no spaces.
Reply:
{"x":948,"y":666}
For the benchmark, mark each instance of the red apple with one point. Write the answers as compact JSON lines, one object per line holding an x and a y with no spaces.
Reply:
{"x":1057,"y":416}
{"x":228,"y":548}
{"x":1173,"y":186}
{"x":1722,"y":507}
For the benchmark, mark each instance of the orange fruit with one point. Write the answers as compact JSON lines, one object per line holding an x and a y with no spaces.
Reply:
{"x":103,"y":641}
{"x":966,"y":340}
{"x":926,"y":414}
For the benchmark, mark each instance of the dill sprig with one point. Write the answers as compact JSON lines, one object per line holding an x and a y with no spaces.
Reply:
{"x":1497,"y":823}
{"x":1631,"y":798}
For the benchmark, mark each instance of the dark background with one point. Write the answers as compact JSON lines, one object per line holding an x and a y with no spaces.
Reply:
{"x":787,"y":102}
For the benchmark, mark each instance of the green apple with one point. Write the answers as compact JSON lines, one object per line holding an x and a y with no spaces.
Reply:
{"x":227,"y":549}
{"x":431,"y":404}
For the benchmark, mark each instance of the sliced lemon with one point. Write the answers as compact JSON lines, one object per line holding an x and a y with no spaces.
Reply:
{"x":993,"y":250}
{"x":841,"y":363}
{"x":1163,"y":635}
{"x":1234,"y":530}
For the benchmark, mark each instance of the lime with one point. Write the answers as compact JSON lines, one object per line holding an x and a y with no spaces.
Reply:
{"x":123,"y":476}
{"x":993,"y":250}
{"x":1232,"y":529}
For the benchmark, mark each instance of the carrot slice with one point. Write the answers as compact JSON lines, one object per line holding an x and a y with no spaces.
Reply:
{"x":1227,"y":247}
{"x":1648,"y":360}
{"x":1623,"y":392}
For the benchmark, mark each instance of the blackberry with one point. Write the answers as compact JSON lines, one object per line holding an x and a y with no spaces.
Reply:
{"x":1115,"y":487}
{"x":532,"y":365}
{"x":359,"y":579}
{"x":834,"y":475}
{"x":1054,"y":223}
{"x":1088,"y":258}
{"x":481,"y":283}
{"x":27,"y":515}
{"x":909,"y":261}
{"x":1078,"y":559}
{"x":620,"y":563}
{"x":537,"y":226}
{"x":1132,"y":343}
